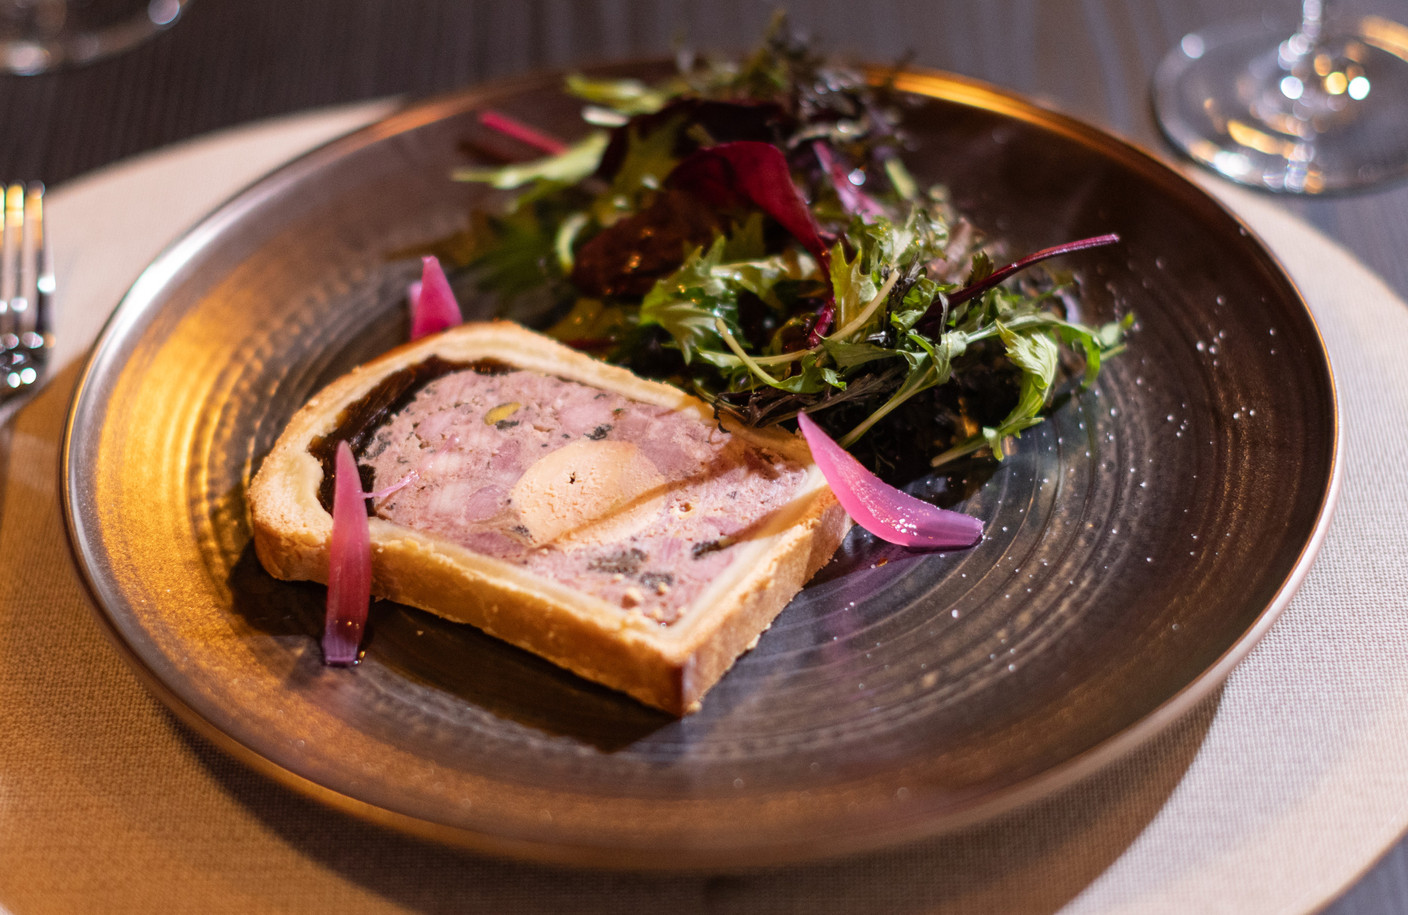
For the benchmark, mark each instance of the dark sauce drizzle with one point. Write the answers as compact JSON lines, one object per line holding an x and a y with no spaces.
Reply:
{"x":358,"y":422}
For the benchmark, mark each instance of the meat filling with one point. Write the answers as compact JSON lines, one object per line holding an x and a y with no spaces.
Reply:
{"x":635,"y":504}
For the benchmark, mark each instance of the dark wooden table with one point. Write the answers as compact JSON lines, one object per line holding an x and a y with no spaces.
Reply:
{"x":233,"y":61}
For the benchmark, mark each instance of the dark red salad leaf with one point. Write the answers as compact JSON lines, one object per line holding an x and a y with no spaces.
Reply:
{"x":749,"y":173}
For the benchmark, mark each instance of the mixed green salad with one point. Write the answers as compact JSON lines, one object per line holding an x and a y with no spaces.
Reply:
{"x":750,"y":232}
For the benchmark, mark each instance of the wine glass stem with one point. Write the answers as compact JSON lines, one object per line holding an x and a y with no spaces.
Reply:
{"x":1312,"y":21}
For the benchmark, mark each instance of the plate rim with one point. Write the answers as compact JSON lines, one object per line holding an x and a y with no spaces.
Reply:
{"x":927,"y":83}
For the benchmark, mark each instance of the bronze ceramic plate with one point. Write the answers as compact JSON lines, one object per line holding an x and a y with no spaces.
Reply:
{"x":1137,"y":543}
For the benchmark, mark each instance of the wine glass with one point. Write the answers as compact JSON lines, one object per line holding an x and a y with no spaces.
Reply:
{"x":1319,"y":109}
{"x":37,"y":36}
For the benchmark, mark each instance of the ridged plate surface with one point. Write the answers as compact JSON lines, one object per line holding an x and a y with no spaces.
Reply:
{"x":1137,"y":543}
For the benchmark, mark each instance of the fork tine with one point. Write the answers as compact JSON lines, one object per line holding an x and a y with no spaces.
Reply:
{"x":26,"y":293}
{"x":10,"y":255}
{"x":38,"y":339}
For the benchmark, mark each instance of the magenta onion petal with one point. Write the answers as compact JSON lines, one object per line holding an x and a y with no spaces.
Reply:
{"x":349,"y":564}
{"x":885,"y":511}
{"x":433,"y":305}
{"x":529,"y":136}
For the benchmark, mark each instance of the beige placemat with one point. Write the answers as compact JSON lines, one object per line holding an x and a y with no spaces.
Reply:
{"x":1271,"y":797}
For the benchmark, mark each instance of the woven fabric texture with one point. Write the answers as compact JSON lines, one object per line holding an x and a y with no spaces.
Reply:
{"x":1270,"y":797}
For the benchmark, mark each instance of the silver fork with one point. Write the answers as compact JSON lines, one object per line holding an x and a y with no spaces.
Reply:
{"x":26,"y":306}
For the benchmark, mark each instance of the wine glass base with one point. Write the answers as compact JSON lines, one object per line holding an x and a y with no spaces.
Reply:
{"x":37,"y":36}
{"x":1247,"y":102}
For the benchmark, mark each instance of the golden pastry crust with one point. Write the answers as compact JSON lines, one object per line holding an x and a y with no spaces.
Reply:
{"x":669,"y":667}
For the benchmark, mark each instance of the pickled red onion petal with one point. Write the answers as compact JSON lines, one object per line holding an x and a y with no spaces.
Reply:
{"x":433,"y":305}
{"x":349,"y":564}
{"x":414,"y":473}
{"x":529,"y":136}
{"x":406,"y":480}
{"x":888,"y":513}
